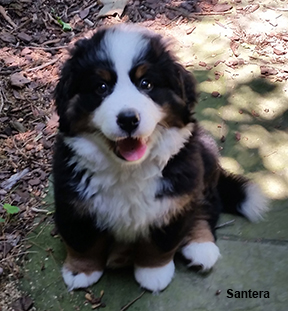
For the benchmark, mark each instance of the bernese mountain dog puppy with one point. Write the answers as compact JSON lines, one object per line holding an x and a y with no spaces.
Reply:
{"x":136,"y":178}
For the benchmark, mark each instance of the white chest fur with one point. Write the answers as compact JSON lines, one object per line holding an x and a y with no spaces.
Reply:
{"x":122,"y":196}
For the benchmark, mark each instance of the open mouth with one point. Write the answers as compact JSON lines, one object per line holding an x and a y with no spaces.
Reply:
{"x":131,"y":149}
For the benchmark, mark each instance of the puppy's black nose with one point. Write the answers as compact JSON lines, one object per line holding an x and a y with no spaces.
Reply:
{"x":128,"y":120}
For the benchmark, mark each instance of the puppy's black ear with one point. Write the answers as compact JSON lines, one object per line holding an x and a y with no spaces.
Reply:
{"x":62,"y":96}
{"x":72,"y":76}
{"x":186,"y":86}
{"x":65,"y":90}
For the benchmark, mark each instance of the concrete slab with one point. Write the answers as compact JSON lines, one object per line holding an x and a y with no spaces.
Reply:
{"x":244,"y":266}
{"x":273,"y":228}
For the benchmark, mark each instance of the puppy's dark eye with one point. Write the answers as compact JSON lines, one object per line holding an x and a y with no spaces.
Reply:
{"x":145,"y":85}
{"x":102,"y":89}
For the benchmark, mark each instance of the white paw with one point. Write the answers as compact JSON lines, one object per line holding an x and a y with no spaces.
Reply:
{"x":80,"y":280}
{"x":201,"y":254}
{"x":155,"y":279}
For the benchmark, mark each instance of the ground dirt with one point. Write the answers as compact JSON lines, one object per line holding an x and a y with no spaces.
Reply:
{"x":33,"y":47}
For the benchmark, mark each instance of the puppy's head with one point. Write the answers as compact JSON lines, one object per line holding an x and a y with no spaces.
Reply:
{"x":121,"y":85}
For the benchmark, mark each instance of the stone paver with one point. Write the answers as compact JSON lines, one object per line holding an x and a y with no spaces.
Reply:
{"x":244,"y":265}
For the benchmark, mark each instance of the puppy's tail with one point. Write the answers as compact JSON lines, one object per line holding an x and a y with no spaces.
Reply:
{"x":241,"y":196}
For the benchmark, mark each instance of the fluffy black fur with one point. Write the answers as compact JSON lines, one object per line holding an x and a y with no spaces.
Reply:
{"x":193,"y":172}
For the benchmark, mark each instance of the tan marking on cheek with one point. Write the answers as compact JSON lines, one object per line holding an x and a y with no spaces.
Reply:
{"x":170,"y":118}
{"x":90,"y":261}
{"x":78,"y":124}
{"x":84,"y":124}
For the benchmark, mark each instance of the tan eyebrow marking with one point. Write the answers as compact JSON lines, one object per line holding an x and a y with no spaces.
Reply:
{"x":141,"y":70}
{"x":104,"y":74}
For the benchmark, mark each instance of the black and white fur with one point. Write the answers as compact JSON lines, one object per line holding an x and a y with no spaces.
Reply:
{"x":136,"y":178}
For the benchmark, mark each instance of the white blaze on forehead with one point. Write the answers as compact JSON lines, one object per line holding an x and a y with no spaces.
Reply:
{"x":124,"y":45}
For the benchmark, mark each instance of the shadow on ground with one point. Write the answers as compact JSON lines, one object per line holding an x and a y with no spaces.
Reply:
{"x":250,"y":124}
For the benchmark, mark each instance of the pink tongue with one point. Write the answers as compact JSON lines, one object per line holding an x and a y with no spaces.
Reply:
{"x":132,"y":149}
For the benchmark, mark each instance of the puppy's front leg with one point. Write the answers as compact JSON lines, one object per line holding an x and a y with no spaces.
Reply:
{"x":87,"y":246}
{"x":200,"y":248}
{"x":154,"y":268}
{"x":82,"y":269}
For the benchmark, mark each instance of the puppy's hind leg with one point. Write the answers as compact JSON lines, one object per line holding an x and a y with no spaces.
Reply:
{"x":200,"y":248}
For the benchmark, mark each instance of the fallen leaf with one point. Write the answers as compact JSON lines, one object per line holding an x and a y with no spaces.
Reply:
{"x":2,"y":192}
{"x":24,"y":303}
{"x":17,"y":79}
{"x":268,"y":70}
{"x":88,"y":296}
{"x":232,"y":63}
{"x":222,"y":7}
{"x":84,"y":13}
{"x":4,"y":119}
{"x":18,"y":126}
{"x":46,"y":144}
{"x":202,"y":64}
{"x":29,"y":147}
{"x":216,"y":94}
{"x":7,"y":37}
{"x":95,"y":301}
{"x":24,"y":37}
{"x":112,"y":7}
{"x":279,"y":52}
{"x":237,"y":136}
{"x":17,"y":95}
{"x":218,"y":74}
{"x":65,"y":26}
{"x":26,"y":51}
{"x":5,"y":248}
{"x":24,"y":195}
